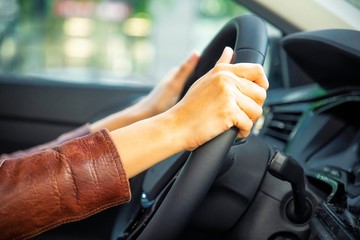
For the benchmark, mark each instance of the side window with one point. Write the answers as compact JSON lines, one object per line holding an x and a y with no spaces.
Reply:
{"x":273,"y":59}
{"x":106,"y":41}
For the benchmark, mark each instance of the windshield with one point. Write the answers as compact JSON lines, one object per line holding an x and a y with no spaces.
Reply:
{"x":97,"y":40}
{"x":292,"y":15}
{"x":346,"y":10}
{"x":355,"y":3}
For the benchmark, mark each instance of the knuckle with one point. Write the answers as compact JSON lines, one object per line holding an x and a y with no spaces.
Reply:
{"x":266,"y":85}
{"x":219,"y":67}
{"x":227,"y":112}
{"x":247,"y":126}
{"x":258,"y":112}
{"x":262,"y":95}
{"x":258,"y":67}
{"x":220,"y":78}
{"x":255,"y":113}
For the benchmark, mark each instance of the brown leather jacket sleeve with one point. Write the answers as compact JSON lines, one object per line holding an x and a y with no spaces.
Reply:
{"x":59,"y":185}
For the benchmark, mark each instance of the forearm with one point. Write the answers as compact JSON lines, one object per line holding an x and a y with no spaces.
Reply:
{"x":123,"y":118}
{"x":59,"y":185}
{"x":147,"y":142}
{"x":162,"y":97}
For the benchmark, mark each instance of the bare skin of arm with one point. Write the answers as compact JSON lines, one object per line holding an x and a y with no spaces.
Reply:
{"x":161,"y":98}
{"x":239,"y":90}
{"x":88,"y":174}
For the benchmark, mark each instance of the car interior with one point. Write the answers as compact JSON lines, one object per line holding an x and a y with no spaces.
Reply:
{"x":296,"y":177}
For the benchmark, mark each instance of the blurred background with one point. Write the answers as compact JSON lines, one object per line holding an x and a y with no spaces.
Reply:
{"x":106,"y":41}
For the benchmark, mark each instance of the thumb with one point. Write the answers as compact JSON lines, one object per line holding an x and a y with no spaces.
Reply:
{"x":226,"y":55}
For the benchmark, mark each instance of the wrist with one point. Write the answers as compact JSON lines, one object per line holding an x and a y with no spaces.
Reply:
{"x":145,"y":143}
{"x":174,"y":128}
{"x":180,"y":126}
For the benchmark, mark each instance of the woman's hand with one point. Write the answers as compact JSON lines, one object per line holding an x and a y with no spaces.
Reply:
{"x":166,"y":94}
{"x":228,"y":95}
{"x":161,"y":98}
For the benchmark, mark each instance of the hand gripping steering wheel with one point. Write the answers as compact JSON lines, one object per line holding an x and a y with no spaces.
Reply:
{"x":247,"y":35}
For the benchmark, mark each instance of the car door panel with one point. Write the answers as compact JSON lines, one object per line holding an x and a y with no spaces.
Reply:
{"x":34,"y":110}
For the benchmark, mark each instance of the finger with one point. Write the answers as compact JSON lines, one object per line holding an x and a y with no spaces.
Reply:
{"x":249,"y":106}
{"x":250,"y":71}
{"x":188,"y":66}
{"x":226,"y":55}
{"x":243,"y":123}
{"x":254,"y":73}
{"x":251,"y":90}
{"x":246,"y":87}
{"x":252,"y":109}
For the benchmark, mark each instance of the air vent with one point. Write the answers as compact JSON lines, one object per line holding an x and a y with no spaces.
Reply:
{"x":280,"y":124}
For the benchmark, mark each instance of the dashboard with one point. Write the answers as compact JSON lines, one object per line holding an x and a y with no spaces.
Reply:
{"x":314,"y":119}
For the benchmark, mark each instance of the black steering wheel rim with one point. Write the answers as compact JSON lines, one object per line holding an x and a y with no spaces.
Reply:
{"x":247,"y":35}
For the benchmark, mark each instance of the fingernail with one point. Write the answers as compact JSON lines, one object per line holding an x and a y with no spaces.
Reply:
{"x":228,"y":50}
{"x":193,"y":56}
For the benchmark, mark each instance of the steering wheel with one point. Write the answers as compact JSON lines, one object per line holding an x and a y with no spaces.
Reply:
{"x":247,"y":35}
